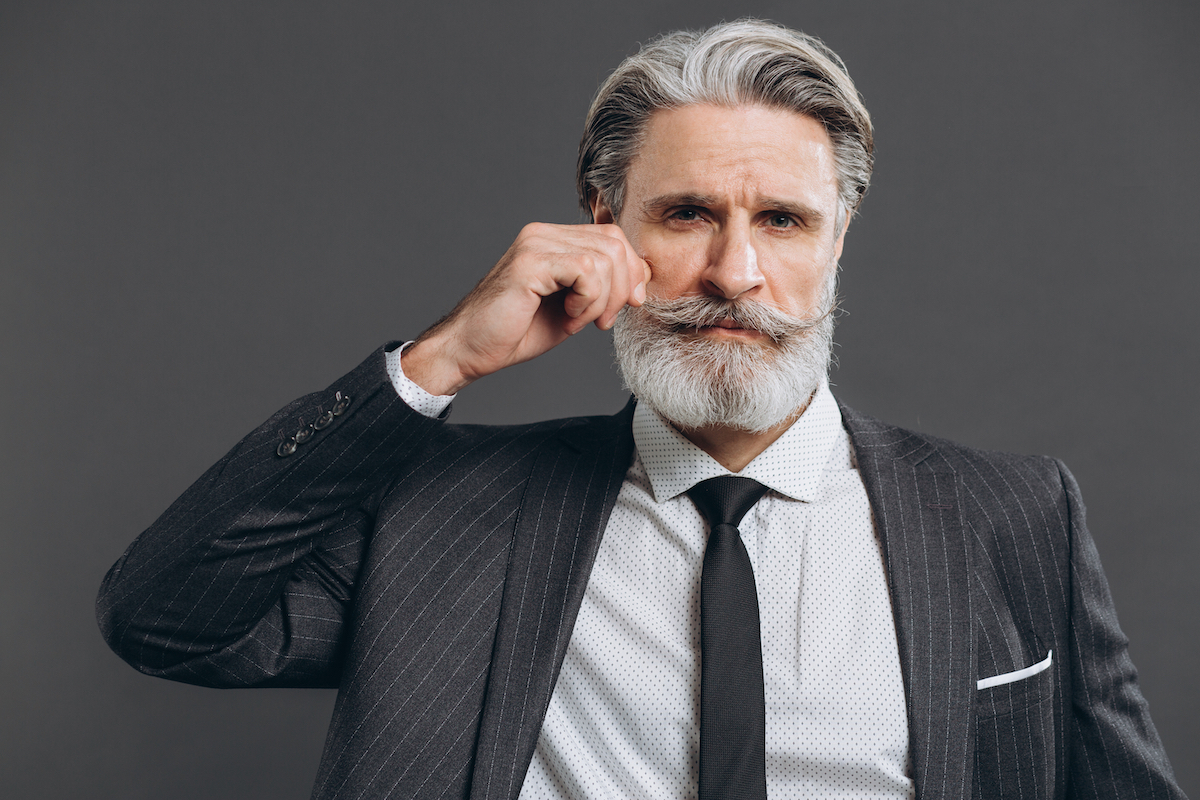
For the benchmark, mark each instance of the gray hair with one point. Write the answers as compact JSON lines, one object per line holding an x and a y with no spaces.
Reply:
{"x":748,"y":62}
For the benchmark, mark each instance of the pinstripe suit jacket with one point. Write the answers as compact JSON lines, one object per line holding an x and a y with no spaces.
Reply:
{"x":433,"y":572}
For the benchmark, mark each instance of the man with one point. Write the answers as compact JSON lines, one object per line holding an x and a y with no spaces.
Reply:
{"x":571,"y":609}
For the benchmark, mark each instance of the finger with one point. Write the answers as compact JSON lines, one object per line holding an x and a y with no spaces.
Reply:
{"x":641,"y":273}
{"x":618,"y":292}
{"x":637,"y":268}
{"x":587,"y":295}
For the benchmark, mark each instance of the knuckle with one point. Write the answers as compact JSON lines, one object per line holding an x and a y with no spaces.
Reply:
{"x":532,"y":232}
{"x":587,"y":264}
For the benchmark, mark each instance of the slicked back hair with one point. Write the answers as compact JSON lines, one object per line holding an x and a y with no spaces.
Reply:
{"x":748,"y":62}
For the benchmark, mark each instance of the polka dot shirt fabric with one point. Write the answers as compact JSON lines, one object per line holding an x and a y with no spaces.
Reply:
{"x":623,"y":720}
{"x":431,"y":405}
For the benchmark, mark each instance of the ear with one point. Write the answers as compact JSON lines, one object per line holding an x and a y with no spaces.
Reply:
{"x":601,"y":213}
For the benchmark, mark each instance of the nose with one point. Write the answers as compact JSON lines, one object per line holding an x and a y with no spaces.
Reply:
{"x":732,"y":268}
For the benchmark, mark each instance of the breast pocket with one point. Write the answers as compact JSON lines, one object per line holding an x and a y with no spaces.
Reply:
{"x":1014,"y":733}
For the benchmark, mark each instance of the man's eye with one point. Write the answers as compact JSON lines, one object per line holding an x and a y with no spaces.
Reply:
{"x":686,"y":215}
{"x":780,"y":221}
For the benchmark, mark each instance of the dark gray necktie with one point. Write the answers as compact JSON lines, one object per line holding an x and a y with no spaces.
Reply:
{"x":733,"y":717}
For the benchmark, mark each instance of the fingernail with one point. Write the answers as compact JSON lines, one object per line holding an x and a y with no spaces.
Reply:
{"x":639,"y":292}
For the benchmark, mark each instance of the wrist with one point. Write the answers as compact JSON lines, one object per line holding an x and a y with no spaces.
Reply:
{"x":424,"y":365}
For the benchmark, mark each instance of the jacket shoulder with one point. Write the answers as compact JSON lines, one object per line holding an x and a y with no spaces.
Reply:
{"x":574,"y":431}
{"x":873,"y":438}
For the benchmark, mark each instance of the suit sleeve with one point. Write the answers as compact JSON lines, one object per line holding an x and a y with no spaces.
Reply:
{"x":1115,"y":751}
{"x":246,"y":580}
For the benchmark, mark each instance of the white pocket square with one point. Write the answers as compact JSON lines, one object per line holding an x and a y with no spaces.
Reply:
{"x":1021,"y":674}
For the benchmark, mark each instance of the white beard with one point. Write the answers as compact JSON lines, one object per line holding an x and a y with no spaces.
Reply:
{"x":695,"y":382}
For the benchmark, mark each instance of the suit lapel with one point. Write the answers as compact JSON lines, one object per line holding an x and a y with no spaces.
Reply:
{"x":569,"y":496}
{"x":915,"y":498}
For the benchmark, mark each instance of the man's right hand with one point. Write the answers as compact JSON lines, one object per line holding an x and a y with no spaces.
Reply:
{"x":552,"y":282}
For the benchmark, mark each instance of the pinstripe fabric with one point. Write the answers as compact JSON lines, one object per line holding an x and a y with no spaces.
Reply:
{"x":246,"y":579}
{"x":991,"y":567}
{"x":433,"y":574}
{"x":389,"y":581}
{"x":570,"y":494}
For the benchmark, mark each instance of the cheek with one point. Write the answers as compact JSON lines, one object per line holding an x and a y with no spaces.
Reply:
{"x":804,"y":293}
{"x":797,"y":281}
{"x":675,"y":268}
{"x":669,"y":278}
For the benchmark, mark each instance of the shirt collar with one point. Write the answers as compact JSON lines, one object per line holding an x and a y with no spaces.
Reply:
{"x":794,"y":465}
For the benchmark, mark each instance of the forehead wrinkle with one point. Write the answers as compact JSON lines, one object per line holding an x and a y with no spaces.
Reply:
{"x":727,"y":159}
{"x":734,"y":179}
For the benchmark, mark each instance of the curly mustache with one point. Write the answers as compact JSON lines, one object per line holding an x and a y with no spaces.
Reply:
{"x":691,"y":313}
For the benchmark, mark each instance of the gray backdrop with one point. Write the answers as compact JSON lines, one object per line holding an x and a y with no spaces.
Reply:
{"x":207,"y":209}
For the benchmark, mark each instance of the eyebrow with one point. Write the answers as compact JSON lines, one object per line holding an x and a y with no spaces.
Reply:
{"x":657,"y":205}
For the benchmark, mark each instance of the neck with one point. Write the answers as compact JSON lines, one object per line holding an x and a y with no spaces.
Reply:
{"x":732,"y":448}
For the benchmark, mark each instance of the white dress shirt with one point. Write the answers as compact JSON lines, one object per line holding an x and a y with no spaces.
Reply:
{"x":623,"y":719}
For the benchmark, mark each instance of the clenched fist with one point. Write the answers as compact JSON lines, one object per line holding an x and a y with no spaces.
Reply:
{"x":552,"y":282}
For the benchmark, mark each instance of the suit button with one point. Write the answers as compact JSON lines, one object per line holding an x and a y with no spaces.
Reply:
{"x":341,"y":405}
{"x":303,"y":435}
{"x":286,"y":448}
{"x":323,"y":421}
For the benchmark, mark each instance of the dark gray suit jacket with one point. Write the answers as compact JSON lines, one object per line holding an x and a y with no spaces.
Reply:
{"x":433,"y":572}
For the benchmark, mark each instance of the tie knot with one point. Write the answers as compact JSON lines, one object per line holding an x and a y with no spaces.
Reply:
{"x":725,"y":500}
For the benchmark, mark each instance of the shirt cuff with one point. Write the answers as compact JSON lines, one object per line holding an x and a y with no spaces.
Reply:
{"x":419,"y":400}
